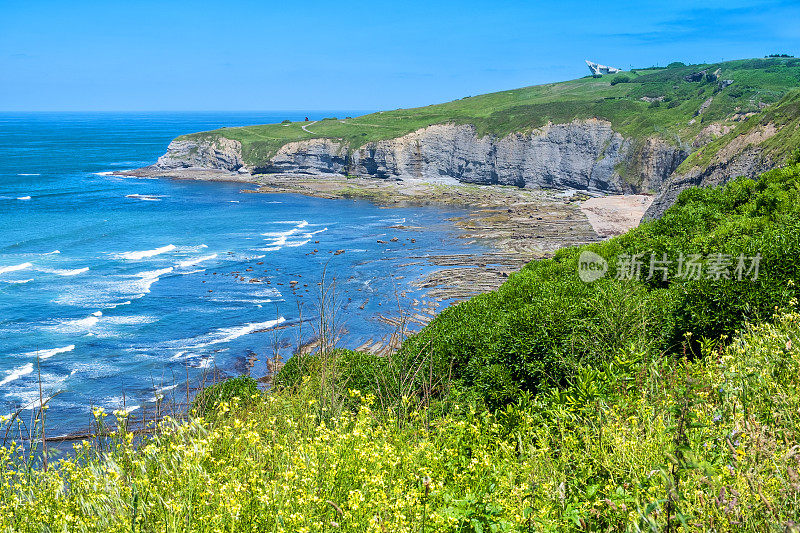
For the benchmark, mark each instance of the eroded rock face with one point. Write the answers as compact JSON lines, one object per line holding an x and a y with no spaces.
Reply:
{"x":582,"y":155}
{"x":743,"y":156}
{"x":222,"y":153}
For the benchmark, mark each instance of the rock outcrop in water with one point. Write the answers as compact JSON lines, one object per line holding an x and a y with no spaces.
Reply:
{"x":585,"y":155}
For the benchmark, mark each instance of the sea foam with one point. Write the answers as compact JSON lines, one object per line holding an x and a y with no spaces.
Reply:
{"x":17,"y":373}
{"x":14,"y":268}
{"x":47,"y":354}
{"x":145,"y":253}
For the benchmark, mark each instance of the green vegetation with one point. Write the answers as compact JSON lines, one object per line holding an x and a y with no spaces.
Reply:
{"x":544,"y":322}
{"x":784,"y":117}
{"x":550,"y":404}
{"x":756,"y":82}
{"x":206,"y":402}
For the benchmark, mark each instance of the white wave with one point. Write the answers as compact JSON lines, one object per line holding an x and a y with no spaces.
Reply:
{"x":197,"y":260}
{"x":24,"y":198}
{"x":144,"y":197}
{"x":229,"y":334}
{"x":131,"y":320}
{"x":17,"y":373}
{"x":223,"y":335}
{"x":73,"y":272}
{"x":14,"y":268}
{"x":145,"y":253}
{"x":82,"y":323}
{"x":233,"y":201}
{"x":149,"y":277}
{"x":23,"y":174}
{"x":281,"y":238}
{"x":206,"y":363}
{"x":166,"y":388}
{"x":47,"y":354}
{"x":193,"y":271}
{"x":279,"y":234}
{"x":114,"y":306}
{"x":53,"y":252}
{"x":18,"y":281}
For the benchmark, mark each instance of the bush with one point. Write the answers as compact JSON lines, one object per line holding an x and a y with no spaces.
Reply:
{"x":620,"y":79}
{"x":350,"y":369}
{"x":543,"y":323}
{"x":243,"y":388}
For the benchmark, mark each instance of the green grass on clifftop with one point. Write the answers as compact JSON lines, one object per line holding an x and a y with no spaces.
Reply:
{"x":629,"y":106}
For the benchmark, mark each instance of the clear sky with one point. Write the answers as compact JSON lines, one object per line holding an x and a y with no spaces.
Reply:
{"x":266,"y":55}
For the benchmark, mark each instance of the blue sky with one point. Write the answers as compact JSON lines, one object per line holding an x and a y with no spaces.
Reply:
{"x":264,"y":55}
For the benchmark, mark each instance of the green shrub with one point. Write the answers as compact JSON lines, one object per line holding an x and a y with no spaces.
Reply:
{"x":544,"y":322}
{"x":350,"y":369}
{"x":243,"y":389}
{"x":620,"y":79}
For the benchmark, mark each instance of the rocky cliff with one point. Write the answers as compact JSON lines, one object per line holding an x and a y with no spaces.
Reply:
{"x":742,"y":155}
{"x":212,"y":153}
{"x":586,"y":155}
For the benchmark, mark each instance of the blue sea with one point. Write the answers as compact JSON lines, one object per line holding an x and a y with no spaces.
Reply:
{"x":114,"y":292}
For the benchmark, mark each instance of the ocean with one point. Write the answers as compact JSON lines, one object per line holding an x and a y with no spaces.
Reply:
{"x":116,"y":292}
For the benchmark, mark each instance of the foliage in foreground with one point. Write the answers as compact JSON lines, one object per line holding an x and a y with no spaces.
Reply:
{"x":709,"y":444}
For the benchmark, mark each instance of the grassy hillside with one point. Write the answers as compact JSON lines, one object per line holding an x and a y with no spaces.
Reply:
{"x":783,"y":116}
{"x":625,"y":99}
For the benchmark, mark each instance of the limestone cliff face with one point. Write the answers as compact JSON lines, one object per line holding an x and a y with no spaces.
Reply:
{"x":584,"y":155}
{"x":222,"y":154}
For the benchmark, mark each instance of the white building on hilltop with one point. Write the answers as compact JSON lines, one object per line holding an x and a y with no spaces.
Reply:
{"x":599,"y":70}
